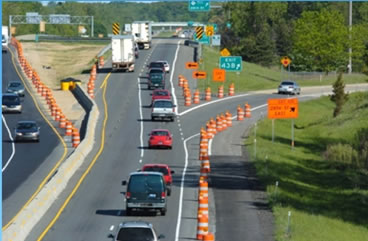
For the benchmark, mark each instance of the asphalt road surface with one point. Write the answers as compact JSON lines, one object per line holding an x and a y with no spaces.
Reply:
{"x":25,"y":164}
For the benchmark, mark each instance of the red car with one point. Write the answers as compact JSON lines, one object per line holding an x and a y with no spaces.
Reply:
{"x":160,"y":94}
{"x":162,"y":168}
{"x":160,"y":138}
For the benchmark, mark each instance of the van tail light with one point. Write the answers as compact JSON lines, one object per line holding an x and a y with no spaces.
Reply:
{"x":173,"y":109}
{"x":163,"y":194}
{"x":128,"y":195}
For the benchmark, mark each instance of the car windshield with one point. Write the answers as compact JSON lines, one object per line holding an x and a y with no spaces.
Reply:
{"x":161,"y":93}
{"x":15,"y":84}
{"x":13,"y":99}
{"x":156,"y":65}
{"x":163,"y":104}
{"x":135,"y":234}
{"x":26,"y":126}
{"x":287,"y":83}
{"x":143,"y":183}
{"x":156,"y":71}
{"x":160,"y":133}
{"x":163,"y":170}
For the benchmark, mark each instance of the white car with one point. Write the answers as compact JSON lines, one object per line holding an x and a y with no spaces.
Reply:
{"x":166,"y":64}
{"x":136,"y":231}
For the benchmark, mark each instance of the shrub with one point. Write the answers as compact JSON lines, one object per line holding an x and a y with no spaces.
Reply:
{"x":341,"y":156}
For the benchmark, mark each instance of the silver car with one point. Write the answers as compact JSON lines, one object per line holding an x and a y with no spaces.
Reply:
{"x":166,"y":65}
{"x":16,"y":88}
{"x":27,"y":131}
{"x":136,"y":231}
{"x":289,"y":87}
{"x":11,"y":103}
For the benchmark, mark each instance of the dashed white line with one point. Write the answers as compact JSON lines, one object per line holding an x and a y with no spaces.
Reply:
{"x":13,"y":146}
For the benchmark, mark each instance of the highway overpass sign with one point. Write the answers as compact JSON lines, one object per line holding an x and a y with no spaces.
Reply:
{"x":231,"y":63}
{"x":199,"y":5}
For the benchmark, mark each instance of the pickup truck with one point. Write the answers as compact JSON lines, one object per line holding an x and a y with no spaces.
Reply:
{"x":163,"y":109}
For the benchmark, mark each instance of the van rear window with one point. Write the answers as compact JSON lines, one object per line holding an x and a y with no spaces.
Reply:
{"x":140,"y":183}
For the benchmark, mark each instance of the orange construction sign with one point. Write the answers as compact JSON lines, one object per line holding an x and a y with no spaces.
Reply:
{"x":191,"y":65}
{"x":285,"y":61}
{"x":282,"y":108}
{"x":218,"y":75}
{"x":199,"y":75}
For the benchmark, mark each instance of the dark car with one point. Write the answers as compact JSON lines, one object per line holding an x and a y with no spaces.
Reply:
{"x":146,"y":191}
{"x":136,"y":231}
{"x":157,"y":64}
{"x":16,"y":88}
{"x":156,"y":78}
{"x":11,"y":103}
{"x":27,"y":131}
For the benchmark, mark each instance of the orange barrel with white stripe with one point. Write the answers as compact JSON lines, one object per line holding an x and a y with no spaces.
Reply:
{"x":209,"y":131}
{"x":218,"y":123}
{"x":62,"y":123}
{"x":208,"y":94}
{"x":44,"y":91}
{"x":229,"y":119}
{"x":204,"y":135}
{"x":58,"y":113}
{"x":188,"y":99}
{"x":220,"y":92}
{"x":39,"y":88}
{"x":180,"y":80}
{"x":247,"y":111}
{"x":203,"y":189}
{"x":203,"y":206}
{"x":196,"y":97}
{"x":240,"y":113}
{"x":185,"y":83}
{"x":224,"y":121}
{"x":202,"y":226}
{"x":68,"y":128}
{"x":213,"y":124}
{"x":53,"y":109}
{"x":206,"y":163}
{"x":203,"y":150}
{"x":209,"y":237}
{"x":75,"y":137}
{"x":90,"y":91}
{"x":101,"y":62}
{"x":231,"y":89}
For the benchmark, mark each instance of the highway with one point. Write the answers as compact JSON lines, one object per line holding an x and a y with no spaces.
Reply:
{"x":25,"y":164}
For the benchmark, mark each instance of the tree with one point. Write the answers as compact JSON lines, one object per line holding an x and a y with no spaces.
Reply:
{"x":338,"y":96}
{"x":321,"y":40}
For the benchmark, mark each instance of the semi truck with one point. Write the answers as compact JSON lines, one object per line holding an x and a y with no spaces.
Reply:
{"x":5,"y":38}
{"x":142,"y":31}
{"x":123,"y":52}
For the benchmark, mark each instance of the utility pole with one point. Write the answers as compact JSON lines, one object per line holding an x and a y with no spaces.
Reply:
{"x":350,"y":66}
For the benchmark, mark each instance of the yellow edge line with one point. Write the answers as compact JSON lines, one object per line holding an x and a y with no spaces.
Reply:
{"x":58,"y":135}
{"x":86,"y":172}
{"x":105,"y":80}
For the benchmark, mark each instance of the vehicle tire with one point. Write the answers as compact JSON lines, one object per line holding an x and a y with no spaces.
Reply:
{"x":128,"y":212}
{"x":163,"y":212}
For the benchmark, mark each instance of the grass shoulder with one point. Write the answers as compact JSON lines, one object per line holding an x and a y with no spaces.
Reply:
{"x":327,"y":202}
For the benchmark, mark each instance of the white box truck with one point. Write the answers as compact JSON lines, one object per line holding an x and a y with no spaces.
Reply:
{"x":123,"y":52}
{"x":5,"y":38}
{"x":142,"y":31}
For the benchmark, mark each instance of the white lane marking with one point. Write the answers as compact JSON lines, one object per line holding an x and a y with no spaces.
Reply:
{"x":13,"y":146}
{"x":141,"y":118}
{"x":112,"y":227}
{"x":171,"y":78}
{"x":182,"y":188}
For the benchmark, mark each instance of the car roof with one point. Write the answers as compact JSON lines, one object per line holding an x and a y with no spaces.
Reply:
{"x":145,"y":173}
{"x":135,"y":224}
{"x":26,"y":121}
{"x":160,"y":130}
{"x":155,"y":165}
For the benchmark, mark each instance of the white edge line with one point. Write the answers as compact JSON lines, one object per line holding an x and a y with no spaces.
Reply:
{"x":141,"y":118}
{"x":13,"y":146}
{"x":171,"y":78}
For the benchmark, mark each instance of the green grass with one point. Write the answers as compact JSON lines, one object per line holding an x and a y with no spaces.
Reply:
{"x":326,"y":204}
{"x":256,"y":77}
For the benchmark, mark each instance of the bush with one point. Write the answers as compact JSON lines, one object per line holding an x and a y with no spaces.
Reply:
{"x":341,"y":156}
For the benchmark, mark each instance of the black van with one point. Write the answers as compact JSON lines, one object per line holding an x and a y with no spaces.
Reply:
{"x":156,"y":78}
{"x":146,"y":191}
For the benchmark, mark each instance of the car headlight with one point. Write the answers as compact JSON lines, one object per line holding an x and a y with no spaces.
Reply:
{"x":19,"y":134}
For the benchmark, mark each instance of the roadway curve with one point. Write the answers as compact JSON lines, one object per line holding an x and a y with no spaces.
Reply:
{"x":98,"y":203}
{"x":24,"y":164}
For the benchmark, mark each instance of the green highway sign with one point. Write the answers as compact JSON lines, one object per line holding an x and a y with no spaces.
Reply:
{"x":204,"y":40}
{"x":199,"y":5}
{"x":231,"y":63}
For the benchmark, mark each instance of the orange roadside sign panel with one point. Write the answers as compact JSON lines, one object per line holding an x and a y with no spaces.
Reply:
{"x":225,"y":52}
{"x":191,"y":65}
{"x":218,"y":75}
{"x":199,"y":75}
{"x":283,"y":108}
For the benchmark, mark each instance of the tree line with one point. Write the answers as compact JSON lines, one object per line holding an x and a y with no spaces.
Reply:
{"x":315,"y":35}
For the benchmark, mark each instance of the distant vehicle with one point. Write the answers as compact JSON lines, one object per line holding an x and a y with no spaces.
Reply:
{"x":163,"y":109}
{"x":142,"y":31}
{"x":5,"y":38}
{"x":163,"y":168}
{"x":146,"y":191}
{"x":160,"y":138}
{"x":136,"y":50}
{"x":27,"y":131}
{"x":160,"y":94}
{"x":289,"y":87}
{"x":166,"y":65}
{"x":11,"y":103}
{"x":16,"y":88}
{"x":136,"y":231}
{"x":157,"y":65}
{"x":123,"y":52}
{"x":156,"y":78}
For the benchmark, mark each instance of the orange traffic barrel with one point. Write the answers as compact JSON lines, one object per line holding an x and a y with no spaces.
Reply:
{"x":57,"y":114}
{"x":231,"y":89}
{"x":75,"y":137}
{"x":218,"y":124}
{"x":180,"y":80}
{"x":206,"y":163}
{"x":213,"y":124}
{"x":247,"y":111}
{"x":209,"y":131}
{"x":209,"y":237}
{"x":62,"y":123}
{"x":220,"y":92}
{"x":101,"y":62}
{"x":224,"y":122}
{"x":196,"y":97}
{"x":202,"y":226}
{"x":240,"y":113}
{"x":188,"y":100}
{"x":203,"y":188}
{"x":69,"y":128}
{"x":203,"y":206}
{"x":208,"y":94}
{"x":203,"y":150}
{"x":229,"y":119}
{"x":53,"y":109}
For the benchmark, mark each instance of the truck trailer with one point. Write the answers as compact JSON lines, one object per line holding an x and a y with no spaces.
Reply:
{"x":123,"y":52}
{"x":142,"y":31}
{"x":5,"y":38}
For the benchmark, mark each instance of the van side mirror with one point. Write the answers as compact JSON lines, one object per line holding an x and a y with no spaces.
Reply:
{"x":124,"y":183}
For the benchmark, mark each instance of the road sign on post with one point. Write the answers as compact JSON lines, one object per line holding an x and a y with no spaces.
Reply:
{"x":216,"y":40}
{"x":199,"y":32}
{"x":282,"y":108}
{"x":116,"y":28}
{"x":199,"y":75}
{"x":209,"y":30}
{"x":225,"y":52}
{"x":231,"y":63}
{"x":218,"y":75}
{"x":199,"y":5}
{"x":285,"y":61}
